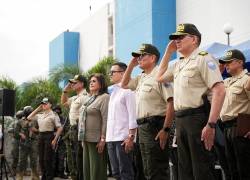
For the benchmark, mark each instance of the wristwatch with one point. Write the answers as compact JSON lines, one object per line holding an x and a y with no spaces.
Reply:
{"x":211,"y":125}
{"x":166,"y":129}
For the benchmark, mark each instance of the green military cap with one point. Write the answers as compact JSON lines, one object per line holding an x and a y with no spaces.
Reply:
{"x":231,"y":55}
{"x":185,"y":29}
{"x":146,"y":48}
{"x":77,"y":78}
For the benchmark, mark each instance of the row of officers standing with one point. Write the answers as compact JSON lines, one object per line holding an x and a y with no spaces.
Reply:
{"x":191,"y":92}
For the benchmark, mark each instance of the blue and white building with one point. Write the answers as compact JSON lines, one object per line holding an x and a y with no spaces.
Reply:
{"x":121,"y":26}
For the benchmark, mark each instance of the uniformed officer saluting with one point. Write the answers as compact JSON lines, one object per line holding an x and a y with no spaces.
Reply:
{"x":74,"y":148}
{"x":237,"y":101}
{"x":48,"y":121}
{"x":193,"y":75}
{"x":154,"y":101}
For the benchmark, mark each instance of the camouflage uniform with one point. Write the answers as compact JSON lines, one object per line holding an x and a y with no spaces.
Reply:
{"x":60,"y":153}
{"x":15,"y":145}
{"x":28,"y":148}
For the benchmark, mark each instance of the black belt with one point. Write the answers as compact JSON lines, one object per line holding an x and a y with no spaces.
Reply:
{"x":191,"y":111}
{"x":46,"y":132}
{"x":151,"y":119}
{"x":230,"y":123}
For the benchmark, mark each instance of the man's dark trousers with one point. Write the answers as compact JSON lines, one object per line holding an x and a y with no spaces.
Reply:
{"x":237,"y":153}
{"x":194,"y":161}
{"x":121,"y":162}
{"x":155,"y":160}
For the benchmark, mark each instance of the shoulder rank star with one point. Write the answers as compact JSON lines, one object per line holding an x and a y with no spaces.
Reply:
{"x":203,"y":53}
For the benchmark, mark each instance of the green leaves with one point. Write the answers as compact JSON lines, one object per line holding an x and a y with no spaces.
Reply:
{"x":32,"y":92}
{"x":7,"y":83}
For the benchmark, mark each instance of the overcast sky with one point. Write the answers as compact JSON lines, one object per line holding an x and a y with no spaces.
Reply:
{"x":27,"y":27}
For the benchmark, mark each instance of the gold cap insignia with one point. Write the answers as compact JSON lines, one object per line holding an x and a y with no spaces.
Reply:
{"x":180,"y":28}
{"x":229,"y":54}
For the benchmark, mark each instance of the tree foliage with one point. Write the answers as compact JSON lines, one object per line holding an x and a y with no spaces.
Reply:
{"x":103,"y":66}
{"x":7,"y":83}
{"x":63,"y":72}
{"x":32,"y":92}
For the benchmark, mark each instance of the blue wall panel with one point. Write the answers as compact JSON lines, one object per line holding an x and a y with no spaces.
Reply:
{"x":164,"y":22}
{"x":56,"y":51}
{"x":64,"y":49}
{"x":133,"y":26}
{"x":71,"y":47}
{"x":142,"y":21}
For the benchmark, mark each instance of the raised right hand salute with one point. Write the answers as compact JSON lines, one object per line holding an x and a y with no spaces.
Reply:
{"x":170,"y":49}
{"x":127,"y":75}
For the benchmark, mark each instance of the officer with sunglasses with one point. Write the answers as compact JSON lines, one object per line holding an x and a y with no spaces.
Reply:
{"x":154,"y":111}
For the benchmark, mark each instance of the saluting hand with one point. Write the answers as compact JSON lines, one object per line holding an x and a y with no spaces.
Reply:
{"x":68,"y":87}
{"x":171,"y":47}
{"x":162,"y":136}
{"x":207,"y":136}
{"x":134,"y":61}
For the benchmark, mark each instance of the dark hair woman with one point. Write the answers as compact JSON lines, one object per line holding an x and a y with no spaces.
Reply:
{"x":92,"y":129}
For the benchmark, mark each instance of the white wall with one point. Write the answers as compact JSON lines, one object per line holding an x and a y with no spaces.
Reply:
{"x":93,"y":38}
{"x":210,"y":15}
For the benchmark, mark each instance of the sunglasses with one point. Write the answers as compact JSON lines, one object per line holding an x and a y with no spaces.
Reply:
{"x":112,"y":72}
{"x":181,"y":37}
{"x":73,"y":82}
{"x":142,"y":56}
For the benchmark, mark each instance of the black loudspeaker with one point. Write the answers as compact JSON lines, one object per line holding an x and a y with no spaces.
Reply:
{"x":7,"y":102}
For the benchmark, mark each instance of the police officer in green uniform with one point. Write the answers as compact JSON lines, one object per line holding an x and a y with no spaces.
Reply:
{"x":28,"y":132}
{"x":154,"y":107}
{"x":195,"y":76}
{"x":16,"y":140}
{"x":60,"y":150}
{"x":237,"y":101}
{"x":74,"y":148}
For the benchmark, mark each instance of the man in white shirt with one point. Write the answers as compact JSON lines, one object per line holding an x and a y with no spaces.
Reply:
{"x":121,"y":125}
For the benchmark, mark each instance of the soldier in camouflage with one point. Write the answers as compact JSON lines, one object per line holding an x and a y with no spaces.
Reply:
{"x":16,"y":140}
{"x":28,"y":131}
{"x":60,"y":150}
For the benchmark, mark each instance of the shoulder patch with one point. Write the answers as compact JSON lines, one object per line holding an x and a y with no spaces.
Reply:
{"x":211,"y":65}
{"x":203,"y":53}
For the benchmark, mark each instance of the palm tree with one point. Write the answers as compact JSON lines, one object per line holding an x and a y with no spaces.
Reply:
{"x":7,"y":83}
{"x":32,"y":92}
{"x":103,"y":66}
{"x":63,"y":72}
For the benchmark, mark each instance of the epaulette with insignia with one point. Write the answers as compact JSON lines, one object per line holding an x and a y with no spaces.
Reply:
{"x":203,"y":53}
